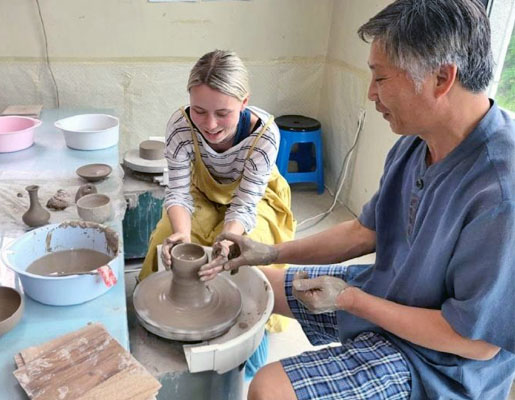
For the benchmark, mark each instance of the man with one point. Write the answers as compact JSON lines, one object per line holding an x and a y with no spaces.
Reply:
{"x":434,"y":317}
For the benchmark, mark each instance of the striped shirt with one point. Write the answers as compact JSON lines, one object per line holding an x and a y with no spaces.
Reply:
{"x":225,"y":167}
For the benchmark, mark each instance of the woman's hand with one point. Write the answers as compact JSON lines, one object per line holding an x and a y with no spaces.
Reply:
{"x":242,"y":251}
{"x":318,"y":295}
{"x":168,"y":243}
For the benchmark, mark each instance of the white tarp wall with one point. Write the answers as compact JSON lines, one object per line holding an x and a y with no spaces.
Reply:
{"x":134,"y":57}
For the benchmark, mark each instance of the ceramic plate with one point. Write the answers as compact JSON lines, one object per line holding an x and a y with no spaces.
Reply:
{"x":94,"y":172}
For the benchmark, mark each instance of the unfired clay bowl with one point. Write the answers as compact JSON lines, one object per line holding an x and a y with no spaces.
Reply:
{"x":11,"y":308}
{"x":95,"y":207}
{"x":94,"y":172}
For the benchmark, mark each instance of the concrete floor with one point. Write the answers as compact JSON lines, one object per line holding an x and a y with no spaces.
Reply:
{"x":305,"y":203}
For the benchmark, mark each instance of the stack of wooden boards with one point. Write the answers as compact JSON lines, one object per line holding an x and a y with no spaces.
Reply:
{"x":87,"y":364}
{"x":32,"y":110}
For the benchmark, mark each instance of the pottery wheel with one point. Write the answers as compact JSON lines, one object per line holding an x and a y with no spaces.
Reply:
{"x":133,"y":160}
{"x":160,"y":315}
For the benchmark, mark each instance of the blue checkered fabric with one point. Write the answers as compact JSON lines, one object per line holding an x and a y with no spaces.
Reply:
{"x":366,"y":367}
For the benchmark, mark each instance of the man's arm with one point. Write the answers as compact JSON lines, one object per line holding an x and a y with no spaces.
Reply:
{"x":424,"y":327}
{"x":342,"y":242}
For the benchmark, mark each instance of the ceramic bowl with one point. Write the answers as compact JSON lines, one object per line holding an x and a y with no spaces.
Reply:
{"x":89,"y":131}
{"x":95,"y":207}
{"x":63,"y":290}
{"x":94,"y":172}
{"x":11,"y":308}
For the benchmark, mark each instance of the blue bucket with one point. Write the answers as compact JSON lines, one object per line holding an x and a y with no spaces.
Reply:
{"x":64,"y":290}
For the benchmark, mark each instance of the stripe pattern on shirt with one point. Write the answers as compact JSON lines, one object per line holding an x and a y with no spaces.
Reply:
{"x":225,"y":167}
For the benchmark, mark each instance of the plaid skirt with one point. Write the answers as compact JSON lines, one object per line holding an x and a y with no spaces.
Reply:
{"x":365,"y":367}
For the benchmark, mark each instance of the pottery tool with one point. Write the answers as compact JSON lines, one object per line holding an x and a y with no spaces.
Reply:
{"x":85,"y":364}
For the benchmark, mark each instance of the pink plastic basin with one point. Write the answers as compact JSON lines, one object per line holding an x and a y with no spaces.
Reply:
{"x":17,"y":133}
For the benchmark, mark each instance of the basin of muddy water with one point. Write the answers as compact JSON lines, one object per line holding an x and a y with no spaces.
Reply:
{"x":41,"y":256}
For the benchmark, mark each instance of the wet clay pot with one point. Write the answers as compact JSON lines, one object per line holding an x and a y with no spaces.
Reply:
{"x":36,"y":215}
{"x":187,"y":290}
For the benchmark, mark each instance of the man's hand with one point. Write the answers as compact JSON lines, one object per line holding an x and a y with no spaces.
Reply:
{"x":219,"y":256}
{"x":168,"y":243}
{"x":319,"y":294}
{"x":243,"y":251}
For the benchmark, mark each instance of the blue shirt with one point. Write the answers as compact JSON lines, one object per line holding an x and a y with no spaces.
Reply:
{"x":446,"y":241}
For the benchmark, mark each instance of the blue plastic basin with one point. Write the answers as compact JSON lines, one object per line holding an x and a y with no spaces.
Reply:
{"x":65,"y":290}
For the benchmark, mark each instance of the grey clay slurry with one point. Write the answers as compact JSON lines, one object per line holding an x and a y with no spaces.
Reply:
{"x":68,"y":261}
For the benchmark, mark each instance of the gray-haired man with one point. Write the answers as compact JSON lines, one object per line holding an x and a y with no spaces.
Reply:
{"x":434,"y":317}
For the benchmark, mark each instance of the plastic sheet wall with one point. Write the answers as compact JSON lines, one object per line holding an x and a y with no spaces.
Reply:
{"x":133,"y":57}
{"x":144,"y":95}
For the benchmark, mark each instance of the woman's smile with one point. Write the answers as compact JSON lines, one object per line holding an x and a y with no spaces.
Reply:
{"x":215,"y":114}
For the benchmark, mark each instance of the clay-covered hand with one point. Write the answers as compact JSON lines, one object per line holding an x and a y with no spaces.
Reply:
{"x":219,"y":256}
{"x":168,"y":243}
{"x":318,"y":294}
{"x":243,"y":251}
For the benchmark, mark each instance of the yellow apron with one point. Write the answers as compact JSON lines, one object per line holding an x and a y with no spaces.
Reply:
{"x":274,"y":220}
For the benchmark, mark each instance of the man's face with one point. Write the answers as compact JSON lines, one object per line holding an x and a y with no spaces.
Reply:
{"x":395,"y":96}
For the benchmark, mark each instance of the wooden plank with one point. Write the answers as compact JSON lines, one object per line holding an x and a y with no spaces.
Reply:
{"x":132,"y":383}
{"x":32,"y":110}
{"x":19,"y":360}
{"x":84,"y":361}
{"x":30,"y":353}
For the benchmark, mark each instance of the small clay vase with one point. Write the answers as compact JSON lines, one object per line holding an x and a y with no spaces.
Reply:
{"x":85,"y":189}
{"x":187,"y":290}
{"x":36,"y":215}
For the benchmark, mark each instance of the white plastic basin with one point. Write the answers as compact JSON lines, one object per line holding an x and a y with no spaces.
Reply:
{"x":90,"y":131}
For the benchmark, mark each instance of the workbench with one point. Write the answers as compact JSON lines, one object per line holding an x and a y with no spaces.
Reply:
{"x":51,"y":164}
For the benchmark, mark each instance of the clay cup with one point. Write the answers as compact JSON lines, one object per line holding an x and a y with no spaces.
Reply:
{"x":95,"y":207}
{"x":187,"y":290}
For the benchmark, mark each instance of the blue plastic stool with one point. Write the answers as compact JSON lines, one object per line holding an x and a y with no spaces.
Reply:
{"x":307,"y":133}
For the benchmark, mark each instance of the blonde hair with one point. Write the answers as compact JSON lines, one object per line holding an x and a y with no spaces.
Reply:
{"x":221,"y":70}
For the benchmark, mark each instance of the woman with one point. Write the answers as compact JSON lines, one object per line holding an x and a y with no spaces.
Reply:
{"x":221,"y":165}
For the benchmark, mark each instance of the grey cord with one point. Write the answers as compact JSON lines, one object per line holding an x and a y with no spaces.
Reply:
{"x":46,"y":55}
{"x":341,"y":178}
